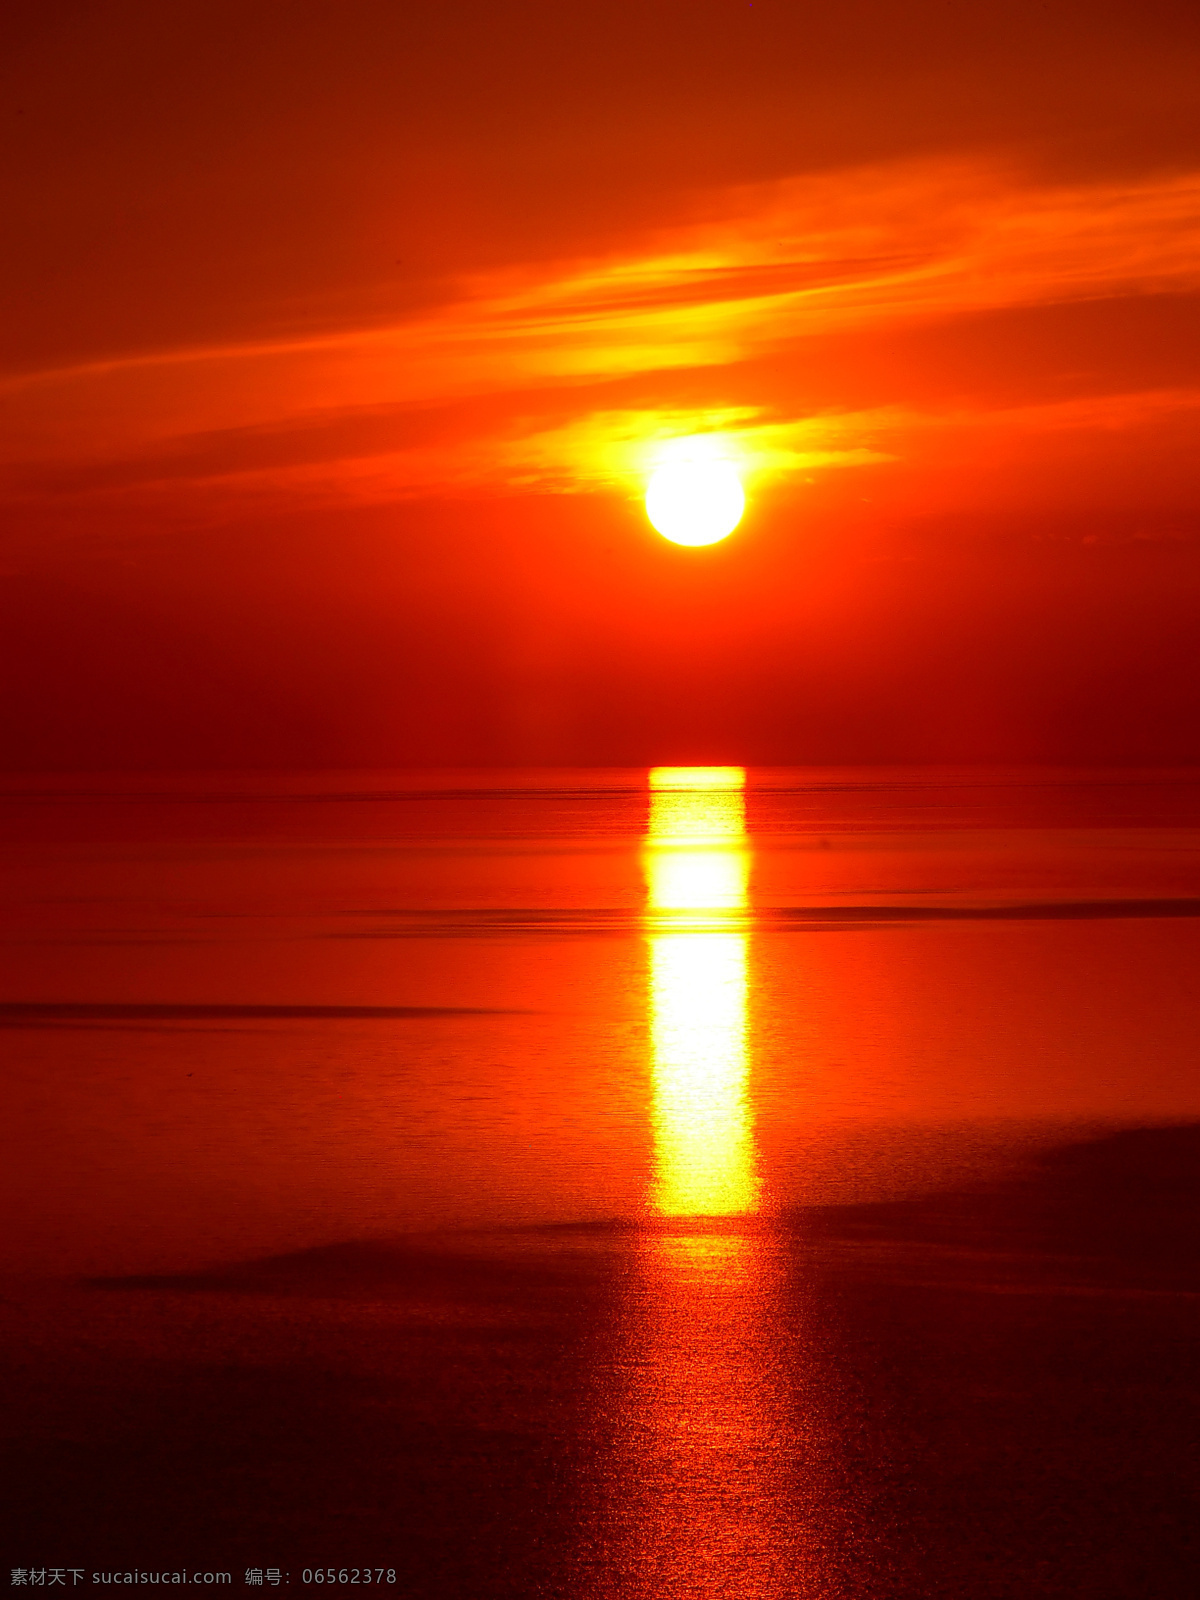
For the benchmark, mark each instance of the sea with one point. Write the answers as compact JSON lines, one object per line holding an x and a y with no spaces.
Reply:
{"x":694,"y":1181}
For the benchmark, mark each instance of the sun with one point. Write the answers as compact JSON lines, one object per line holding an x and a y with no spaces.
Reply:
{"x":695,"y":501}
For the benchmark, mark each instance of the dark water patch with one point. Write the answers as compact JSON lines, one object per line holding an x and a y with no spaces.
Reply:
{"x":1037,"y":911}
{"x":1018,"y":1399}
{"x":453,"y":1266}
{"x":1028,"y":1440}
{"x":474,"y":922}
{"x":19,"y":1014}
{"x":444,"y":1448}
{"x":1121,"y":1213}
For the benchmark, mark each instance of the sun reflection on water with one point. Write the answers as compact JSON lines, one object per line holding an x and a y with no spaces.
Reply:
{"x":713,"y":1489}
{"x":697,"y":867}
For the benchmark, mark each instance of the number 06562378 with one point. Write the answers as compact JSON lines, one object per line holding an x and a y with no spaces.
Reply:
{"x":349,"y":1575}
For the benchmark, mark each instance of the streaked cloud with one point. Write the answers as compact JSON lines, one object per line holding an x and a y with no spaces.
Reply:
{"x":515,"y":383}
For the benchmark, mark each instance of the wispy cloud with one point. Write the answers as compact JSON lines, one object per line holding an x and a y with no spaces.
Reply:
{"x":515,"y":364}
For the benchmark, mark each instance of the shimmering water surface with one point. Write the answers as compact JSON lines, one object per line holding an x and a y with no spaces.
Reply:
{"x":607,"y":1183}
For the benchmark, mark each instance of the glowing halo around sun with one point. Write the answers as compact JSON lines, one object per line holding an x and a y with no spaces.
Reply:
{"x":695,"y":501}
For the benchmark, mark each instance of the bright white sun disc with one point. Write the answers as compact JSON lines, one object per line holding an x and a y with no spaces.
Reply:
{"x":695,"y":502}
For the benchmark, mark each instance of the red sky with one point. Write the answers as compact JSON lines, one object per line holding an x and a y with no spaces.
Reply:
{"x":340,"y":337}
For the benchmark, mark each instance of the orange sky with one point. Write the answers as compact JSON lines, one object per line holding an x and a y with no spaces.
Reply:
{"x":341,"y":336}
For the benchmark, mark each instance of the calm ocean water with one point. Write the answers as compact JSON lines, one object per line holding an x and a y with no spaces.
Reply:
{"x":605,"y":1182}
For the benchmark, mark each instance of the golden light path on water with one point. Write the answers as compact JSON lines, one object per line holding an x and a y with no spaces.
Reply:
{"x":714,"y":1496}
{"x":697,"y":868}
